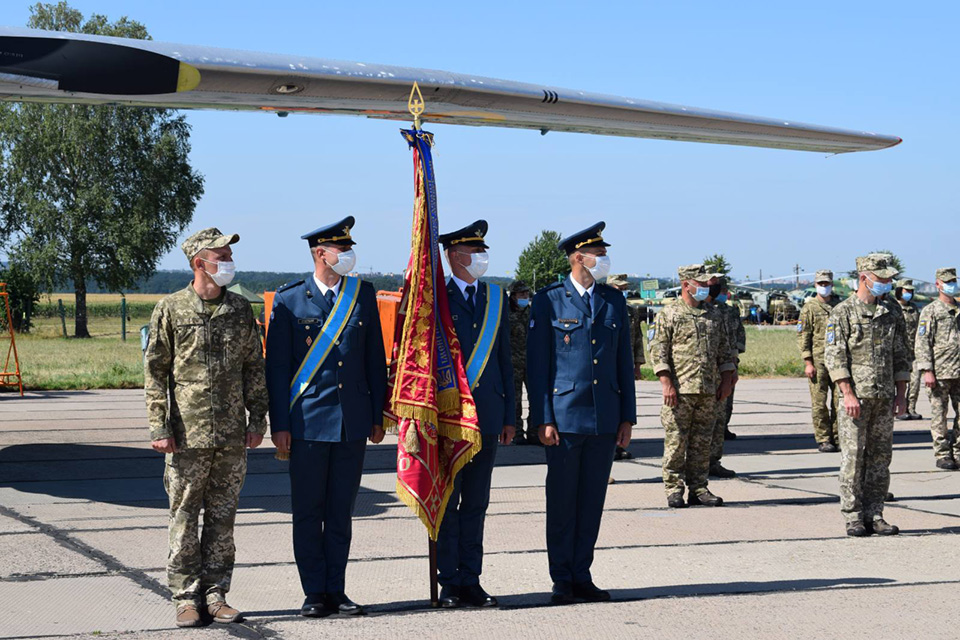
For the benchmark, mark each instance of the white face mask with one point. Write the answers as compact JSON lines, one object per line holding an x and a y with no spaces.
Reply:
{"x":825,"y":290}
{"x":600,"y":268}
{"x":224,"y":274}
{"x":478,"y":264}
{"x":346,"y":260}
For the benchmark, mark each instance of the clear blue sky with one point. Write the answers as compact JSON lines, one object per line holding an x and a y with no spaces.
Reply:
{"x":881,"y":66}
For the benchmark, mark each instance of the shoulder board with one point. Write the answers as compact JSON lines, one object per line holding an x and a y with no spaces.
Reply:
{"x":290,"y":285}
{"x":552,"y":285}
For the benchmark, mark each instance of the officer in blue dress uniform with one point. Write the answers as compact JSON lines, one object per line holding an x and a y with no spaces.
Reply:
{"x":324,"y":431}
{"x":460,"y":540}
{"x":583,"y":398}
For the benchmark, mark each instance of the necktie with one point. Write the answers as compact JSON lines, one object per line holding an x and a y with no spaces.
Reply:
{"x":470,"y":301}
{"x":330,"y":297}
{"x":586,"y":302}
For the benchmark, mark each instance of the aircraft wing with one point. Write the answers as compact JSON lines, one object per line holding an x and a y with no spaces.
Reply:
{"x":60,"y":67}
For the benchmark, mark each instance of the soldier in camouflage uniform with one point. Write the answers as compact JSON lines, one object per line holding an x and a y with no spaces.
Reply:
{"x":691,"y":355}
{"x":637,"y":317}
{"x":203,"y":371}
{"x":938,"y":360}
{"x":519,"y":325}
{"x":811,"y":338}
{"x":866,"y":357}
{"x":911,"y":317}
{"x":737,"y":337}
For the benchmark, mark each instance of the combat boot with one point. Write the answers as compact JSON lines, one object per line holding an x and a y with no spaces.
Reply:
{"x":675,"y":500}
{"x":882,"y":528}
{"x":946,"y":463}
{"x":717,"y":470}
{"x":223,"y":613}
{"x":857,"y":529}
{"x":188,"y":616}
{"x":705,"y":498}
{"x":827,"y":447}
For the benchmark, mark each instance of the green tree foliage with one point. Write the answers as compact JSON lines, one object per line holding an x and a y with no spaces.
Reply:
{"x":542,"y":262}
{"x":717,"y":263}
{"x":23,"y":295}
{"x":93,"y":192}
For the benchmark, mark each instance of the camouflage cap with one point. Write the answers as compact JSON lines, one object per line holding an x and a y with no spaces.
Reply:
{"x":618,"y":280}
{"x":211,"y":238}
{"x":518,"y":286}
{"x":946,"y":274}
{"x":879,"y":264}
{"x":696,"y":272}
{"x":905,"y":283}
{"x":823,"y":275}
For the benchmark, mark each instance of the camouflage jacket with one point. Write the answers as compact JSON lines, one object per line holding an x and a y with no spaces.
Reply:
{"x":867,"y":346}
{"x":911,"y":316}
{"x":637,"y":316}
{"x":692,"y":344}
{"x":812,"y":328}
{"x":211,"y":366}
{"x":519,"y":325}
{"x":937,"y":344}
{"x":736,"y":334}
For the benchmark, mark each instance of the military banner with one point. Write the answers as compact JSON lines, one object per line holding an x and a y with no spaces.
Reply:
{"x":428,"y":394}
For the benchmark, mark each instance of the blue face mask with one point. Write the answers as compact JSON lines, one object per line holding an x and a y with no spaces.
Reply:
{"x":907,"y":296}
{"x":523,"y":302}
{"x":701,"y":293}
{"x":878,"y":289}
{"x":722,"y":298}
{"x":952,"y":289}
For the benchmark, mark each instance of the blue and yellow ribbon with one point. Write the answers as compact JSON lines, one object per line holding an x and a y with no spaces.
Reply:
{"x":488,"y":335}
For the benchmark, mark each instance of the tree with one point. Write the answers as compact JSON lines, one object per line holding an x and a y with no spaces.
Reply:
{"x":93,"y":192}
{"x":542,"y":261}
{"x":23,"y":295}
{"x":717,"y":263}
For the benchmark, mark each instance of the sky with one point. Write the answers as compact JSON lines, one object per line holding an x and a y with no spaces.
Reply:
{"x":888,"y":67}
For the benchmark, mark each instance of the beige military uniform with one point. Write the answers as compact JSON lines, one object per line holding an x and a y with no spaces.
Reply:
{"x":911,"y":318}
{"x":692,"y":345}
{"x":811,"y":338}
{"x":865,"y":345}
{"x":203,"y":372}
{"x":937,"y":349}
{"x":737,"y":337}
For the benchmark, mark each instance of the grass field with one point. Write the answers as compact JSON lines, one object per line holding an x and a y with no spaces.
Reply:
{"x":105,"y":362}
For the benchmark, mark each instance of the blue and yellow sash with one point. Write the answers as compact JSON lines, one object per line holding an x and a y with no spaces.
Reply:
{"x":328,"y":336}
{"x":488,"y":335}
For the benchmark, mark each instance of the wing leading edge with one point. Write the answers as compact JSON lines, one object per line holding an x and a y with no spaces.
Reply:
{"x":58,"y":67}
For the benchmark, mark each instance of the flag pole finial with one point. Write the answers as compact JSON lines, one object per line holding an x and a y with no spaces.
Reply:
{"x":415,"y":105}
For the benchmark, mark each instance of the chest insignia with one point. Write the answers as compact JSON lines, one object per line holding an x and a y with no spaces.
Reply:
{"x":309,"y":340}
{"x":566,"y":339}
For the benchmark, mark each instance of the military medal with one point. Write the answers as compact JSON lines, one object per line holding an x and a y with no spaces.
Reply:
{"x":309,"y":341}
{"x":566,"y":339}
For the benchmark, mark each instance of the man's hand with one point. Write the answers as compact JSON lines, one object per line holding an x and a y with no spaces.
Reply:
{"x":254,"y":440}
{"x":669,"y":391}
{"x":376,"y":434}
{"x":810,"y":371}
{"x":899,"y":404}
{"x":164,"y":445}
{"x":506,"y":436}
{"x":624,"y":433}
{"x":930,"y":379}
{"x":549,"y":436}
{"x":734,"y":379}
{"x":851,"y":404}
{"x":281,"y":440}
{"x":726,"y":386}
{"x":636,"y":372}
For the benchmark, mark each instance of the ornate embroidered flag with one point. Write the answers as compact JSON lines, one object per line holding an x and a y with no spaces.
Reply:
{"x":428,"y":395}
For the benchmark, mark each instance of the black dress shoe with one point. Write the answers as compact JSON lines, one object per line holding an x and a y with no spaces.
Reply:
{"x":622,"y":454}
{"x":340,"y":603}
{"x":449,"y":597}
{"x":729,"y":435}
{"x":590,"y":592}
{"x":314,"y":606}
{"x":475,"y":596}
{"x":563,"y":594}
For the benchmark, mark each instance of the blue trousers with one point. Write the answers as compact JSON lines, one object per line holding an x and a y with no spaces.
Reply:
{"x":324,"y":479}
{"x":577,"y":473}
{"x":460,"y":540}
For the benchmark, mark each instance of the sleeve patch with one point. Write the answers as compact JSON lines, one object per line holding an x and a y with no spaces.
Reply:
{"x":800,"y":327}
{"x":532,"y":322}
{"x":652,"y":331}
{"x":831,"y":333}
{"x":922,"y":328}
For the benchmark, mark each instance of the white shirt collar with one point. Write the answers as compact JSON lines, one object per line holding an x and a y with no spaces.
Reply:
{"x":580,"y":289}
{"x":324,"y":288}
{"x":463,"y":286}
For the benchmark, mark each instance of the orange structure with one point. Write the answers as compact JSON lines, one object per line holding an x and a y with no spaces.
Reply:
{"x":10,"y":377}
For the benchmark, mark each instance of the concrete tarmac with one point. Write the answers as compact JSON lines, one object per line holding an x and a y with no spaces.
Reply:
{"x":83,"y":538}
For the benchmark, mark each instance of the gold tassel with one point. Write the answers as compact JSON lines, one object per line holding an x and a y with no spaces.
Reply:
{"x":448,"y":400}
{"x":411,"y":439}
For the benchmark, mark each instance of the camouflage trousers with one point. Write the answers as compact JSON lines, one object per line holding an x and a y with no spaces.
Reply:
{"x":200,"y":564}
{"x":866,"y":448}
{"x":824,"y":408}
{"x":946,"y":392}
{"x":913,"y":391}
{"x":724,"y":411}
{"x":688,"y":434}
